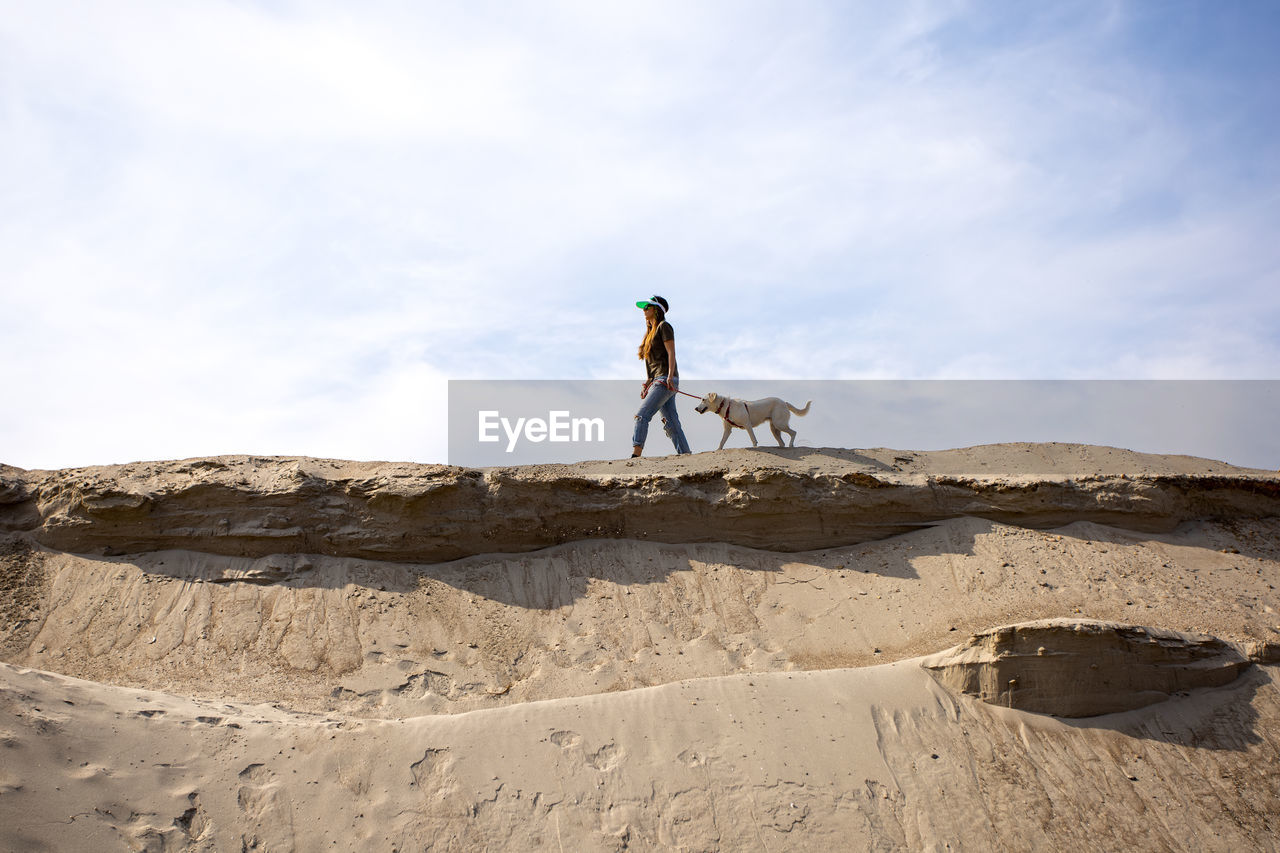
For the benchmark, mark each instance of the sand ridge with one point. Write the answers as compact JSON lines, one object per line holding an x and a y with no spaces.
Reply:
{"x":781,"y":499}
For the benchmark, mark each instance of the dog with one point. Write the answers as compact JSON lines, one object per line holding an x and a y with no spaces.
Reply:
{"x":745,"y":414}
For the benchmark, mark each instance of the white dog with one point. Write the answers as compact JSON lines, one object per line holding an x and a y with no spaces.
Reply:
{"x":745,"y":415}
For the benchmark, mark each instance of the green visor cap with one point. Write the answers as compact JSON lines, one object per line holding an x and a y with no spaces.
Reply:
{"x":645,"y":303}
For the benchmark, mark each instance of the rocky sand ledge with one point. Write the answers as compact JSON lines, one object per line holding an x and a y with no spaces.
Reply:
{"x":779,"y":499}
{"x":1086,"y":668}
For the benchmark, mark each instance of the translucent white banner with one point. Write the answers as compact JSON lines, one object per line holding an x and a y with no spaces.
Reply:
{"x":518,"y":422}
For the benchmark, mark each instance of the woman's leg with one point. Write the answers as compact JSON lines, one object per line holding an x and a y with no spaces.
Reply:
{"x":650,"y":405}
{"x":671,"y":423}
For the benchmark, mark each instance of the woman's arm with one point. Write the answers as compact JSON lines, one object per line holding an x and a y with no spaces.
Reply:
{"x":672,"y":373}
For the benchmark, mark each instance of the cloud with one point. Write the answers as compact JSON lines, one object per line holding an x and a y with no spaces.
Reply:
{"x":307,"y":204}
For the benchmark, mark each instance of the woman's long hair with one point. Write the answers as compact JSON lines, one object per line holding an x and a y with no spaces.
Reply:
{"x":651,"y":331}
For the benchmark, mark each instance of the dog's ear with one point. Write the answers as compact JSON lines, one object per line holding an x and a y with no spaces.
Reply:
{"x":711,"y":398}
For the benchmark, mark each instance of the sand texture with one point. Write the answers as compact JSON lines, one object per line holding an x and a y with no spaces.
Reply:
{"x":1009,"y":647}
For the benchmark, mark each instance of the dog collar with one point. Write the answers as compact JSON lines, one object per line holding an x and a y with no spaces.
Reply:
{"x":725,"y":413}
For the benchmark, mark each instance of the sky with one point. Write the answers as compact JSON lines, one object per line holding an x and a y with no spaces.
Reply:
{"x":281,"y":228}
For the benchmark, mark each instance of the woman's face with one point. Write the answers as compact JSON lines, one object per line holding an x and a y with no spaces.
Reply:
{"x":650,"y":312}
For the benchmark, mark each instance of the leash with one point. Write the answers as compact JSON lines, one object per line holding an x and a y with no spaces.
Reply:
{"x":727,"y":402}
{"x":645,"y":392}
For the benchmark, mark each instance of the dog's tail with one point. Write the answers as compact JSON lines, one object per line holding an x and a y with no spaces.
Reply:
{"x":803,"y":411}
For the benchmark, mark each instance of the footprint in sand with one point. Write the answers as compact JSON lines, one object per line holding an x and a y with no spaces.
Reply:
{"x":606,"y":757}
{"x":566,"y":740}
{"x":192,"y":827}
{"x":433,"y":775}
{"x":267,"y":810}
{"x":194,"y":822}
{"x":603,"y":759}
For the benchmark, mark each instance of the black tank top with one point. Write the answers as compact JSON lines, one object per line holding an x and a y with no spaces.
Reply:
{"x":655,"y":362}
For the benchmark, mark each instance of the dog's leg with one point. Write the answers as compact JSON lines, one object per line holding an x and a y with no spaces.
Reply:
{"x":752,"y":433}
{"x":776,"y":434}
{"x":792,"y":433}
{"x":727,"y":429}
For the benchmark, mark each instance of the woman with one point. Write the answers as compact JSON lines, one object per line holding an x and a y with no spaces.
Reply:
{"x":658,"y":352}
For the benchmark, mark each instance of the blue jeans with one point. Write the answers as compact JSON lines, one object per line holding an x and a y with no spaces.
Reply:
{"x":660,"y":397}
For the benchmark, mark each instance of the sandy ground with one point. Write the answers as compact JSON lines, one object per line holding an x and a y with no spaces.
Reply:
{"x":613,"y":692}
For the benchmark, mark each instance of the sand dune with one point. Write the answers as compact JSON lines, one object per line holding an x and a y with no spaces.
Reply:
{"x":743,"y":650}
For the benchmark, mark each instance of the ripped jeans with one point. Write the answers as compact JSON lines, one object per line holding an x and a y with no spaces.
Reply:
{"x":660,"y":397}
